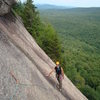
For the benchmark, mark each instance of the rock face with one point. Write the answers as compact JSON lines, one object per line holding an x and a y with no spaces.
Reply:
{"x":23,"y":65}
{"x":5,"y":6}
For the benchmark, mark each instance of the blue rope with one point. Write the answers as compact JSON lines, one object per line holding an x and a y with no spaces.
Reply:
{"x":14,"y":92}
{"x":17,"y":85}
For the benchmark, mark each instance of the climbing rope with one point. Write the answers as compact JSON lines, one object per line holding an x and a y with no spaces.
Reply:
{"x":20,"y":84}
{"x":15,"y":92}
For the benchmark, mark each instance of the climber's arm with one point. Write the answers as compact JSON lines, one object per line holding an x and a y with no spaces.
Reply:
{"x":51,"y":72}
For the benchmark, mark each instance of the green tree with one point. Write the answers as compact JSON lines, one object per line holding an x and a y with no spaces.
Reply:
{"x":50,"y":42}
{"x":19,"y":8}
{"x":79,"y":81}
{"x":98,"y":89}
{"x":31,"y":18}
{"x":90,"y":93}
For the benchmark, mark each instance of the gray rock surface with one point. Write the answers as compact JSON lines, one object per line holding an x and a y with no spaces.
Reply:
{"x":23,"y":60}
{"x":5,"y":6}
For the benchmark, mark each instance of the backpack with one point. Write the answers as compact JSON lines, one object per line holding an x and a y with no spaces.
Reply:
{"x":58,"y":70}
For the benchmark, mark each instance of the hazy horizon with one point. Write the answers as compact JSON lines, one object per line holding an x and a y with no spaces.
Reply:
{"x":72,"y":3}
{"x":68,"y":6}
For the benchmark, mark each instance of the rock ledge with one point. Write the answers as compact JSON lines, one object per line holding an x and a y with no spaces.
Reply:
{"x":5,"y":6}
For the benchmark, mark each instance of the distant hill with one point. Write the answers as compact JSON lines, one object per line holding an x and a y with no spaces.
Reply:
{"x":48,"y":6}
{"x":83,"y":21}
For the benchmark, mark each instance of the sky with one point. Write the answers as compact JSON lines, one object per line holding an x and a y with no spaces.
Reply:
{"x":75,"y":3}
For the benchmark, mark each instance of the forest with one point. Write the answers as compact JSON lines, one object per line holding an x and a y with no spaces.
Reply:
{"x":70,"y":36}
{"x":79,"y":31}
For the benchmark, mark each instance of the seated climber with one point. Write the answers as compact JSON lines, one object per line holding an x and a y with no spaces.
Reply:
{"x":59,"y":74}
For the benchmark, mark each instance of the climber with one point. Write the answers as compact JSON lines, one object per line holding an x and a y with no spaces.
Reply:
{"x":59,"y":74}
